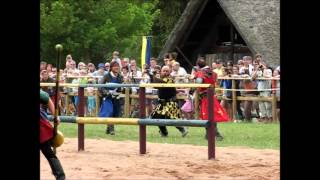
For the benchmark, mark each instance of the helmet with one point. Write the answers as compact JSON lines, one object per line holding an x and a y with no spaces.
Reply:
{"x":58,"y":139}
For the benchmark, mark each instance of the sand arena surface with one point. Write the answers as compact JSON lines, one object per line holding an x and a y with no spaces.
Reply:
{"x":105,"y":159}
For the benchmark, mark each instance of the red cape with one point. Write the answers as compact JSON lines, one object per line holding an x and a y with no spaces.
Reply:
{"x":220,"y":115}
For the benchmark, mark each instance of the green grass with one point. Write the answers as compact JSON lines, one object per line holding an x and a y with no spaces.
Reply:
{"x":260,"y":136}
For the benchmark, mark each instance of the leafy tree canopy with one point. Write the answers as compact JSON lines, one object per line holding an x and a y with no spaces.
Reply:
{"x":91,"y":30}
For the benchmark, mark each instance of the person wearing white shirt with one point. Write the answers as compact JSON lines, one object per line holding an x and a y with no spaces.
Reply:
{"x":115,"y":57}
{"x":178,"y":73}
{"x":247,"y":67}
{"x":264,"y":107}
{"x":100,"y":72}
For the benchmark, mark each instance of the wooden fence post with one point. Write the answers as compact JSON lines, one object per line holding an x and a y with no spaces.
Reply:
{"x":196,"y":104}
{"x":234,"y":100}
{"x":67,"y":104}
{"x":127,"y":102}
{"x":97,"y":103}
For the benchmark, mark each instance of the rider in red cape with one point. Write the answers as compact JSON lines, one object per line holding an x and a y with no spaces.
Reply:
{"x":46,"y":136}
{"x":220,"y":114}
{"x":205,"y":75}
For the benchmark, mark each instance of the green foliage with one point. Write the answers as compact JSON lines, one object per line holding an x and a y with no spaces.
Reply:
{"x":91,"y":30}
{"x":169,"y":14}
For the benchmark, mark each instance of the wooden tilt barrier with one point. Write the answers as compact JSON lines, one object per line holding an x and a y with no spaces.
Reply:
{"x":142,"y":96}
{"x":142,"y":122}
{"x":131,"y":121}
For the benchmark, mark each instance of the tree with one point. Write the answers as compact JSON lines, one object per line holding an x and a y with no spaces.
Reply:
{"x":91,"y":30}
{"x":170,"y":12}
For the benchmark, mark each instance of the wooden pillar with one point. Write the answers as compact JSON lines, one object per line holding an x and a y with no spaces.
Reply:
{"x":67,"y":103}
{"x":196,"y":104}
{"x":211,"y":129}
{"x":274,"y":101}
{"x":81,"y":114}
{"x":234,"y":100}
{"x":142,"y":128}
{"x":274,"y":108}
{"x":97,"y":103}
{"x":127,"y":102}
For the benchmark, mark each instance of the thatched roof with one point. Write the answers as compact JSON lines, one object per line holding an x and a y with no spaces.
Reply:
{"x":197,"y":29}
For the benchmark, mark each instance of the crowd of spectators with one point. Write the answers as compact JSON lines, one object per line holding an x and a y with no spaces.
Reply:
{"x":88,"y":73}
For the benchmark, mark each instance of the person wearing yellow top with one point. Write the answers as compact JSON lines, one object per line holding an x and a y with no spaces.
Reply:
{"x":220,"y":72}
{"x":219,"y":68}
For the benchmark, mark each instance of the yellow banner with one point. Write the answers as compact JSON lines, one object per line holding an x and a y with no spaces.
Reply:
{"x":143,"y":51}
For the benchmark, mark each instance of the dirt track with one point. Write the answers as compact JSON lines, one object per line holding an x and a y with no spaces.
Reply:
{"x":105,"y":159}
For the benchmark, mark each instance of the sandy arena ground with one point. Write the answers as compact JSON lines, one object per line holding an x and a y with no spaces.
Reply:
{"x":105,"y":159}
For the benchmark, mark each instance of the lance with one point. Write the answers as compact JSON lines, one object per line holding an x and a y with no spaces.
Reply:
{"x":59,"y":49}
